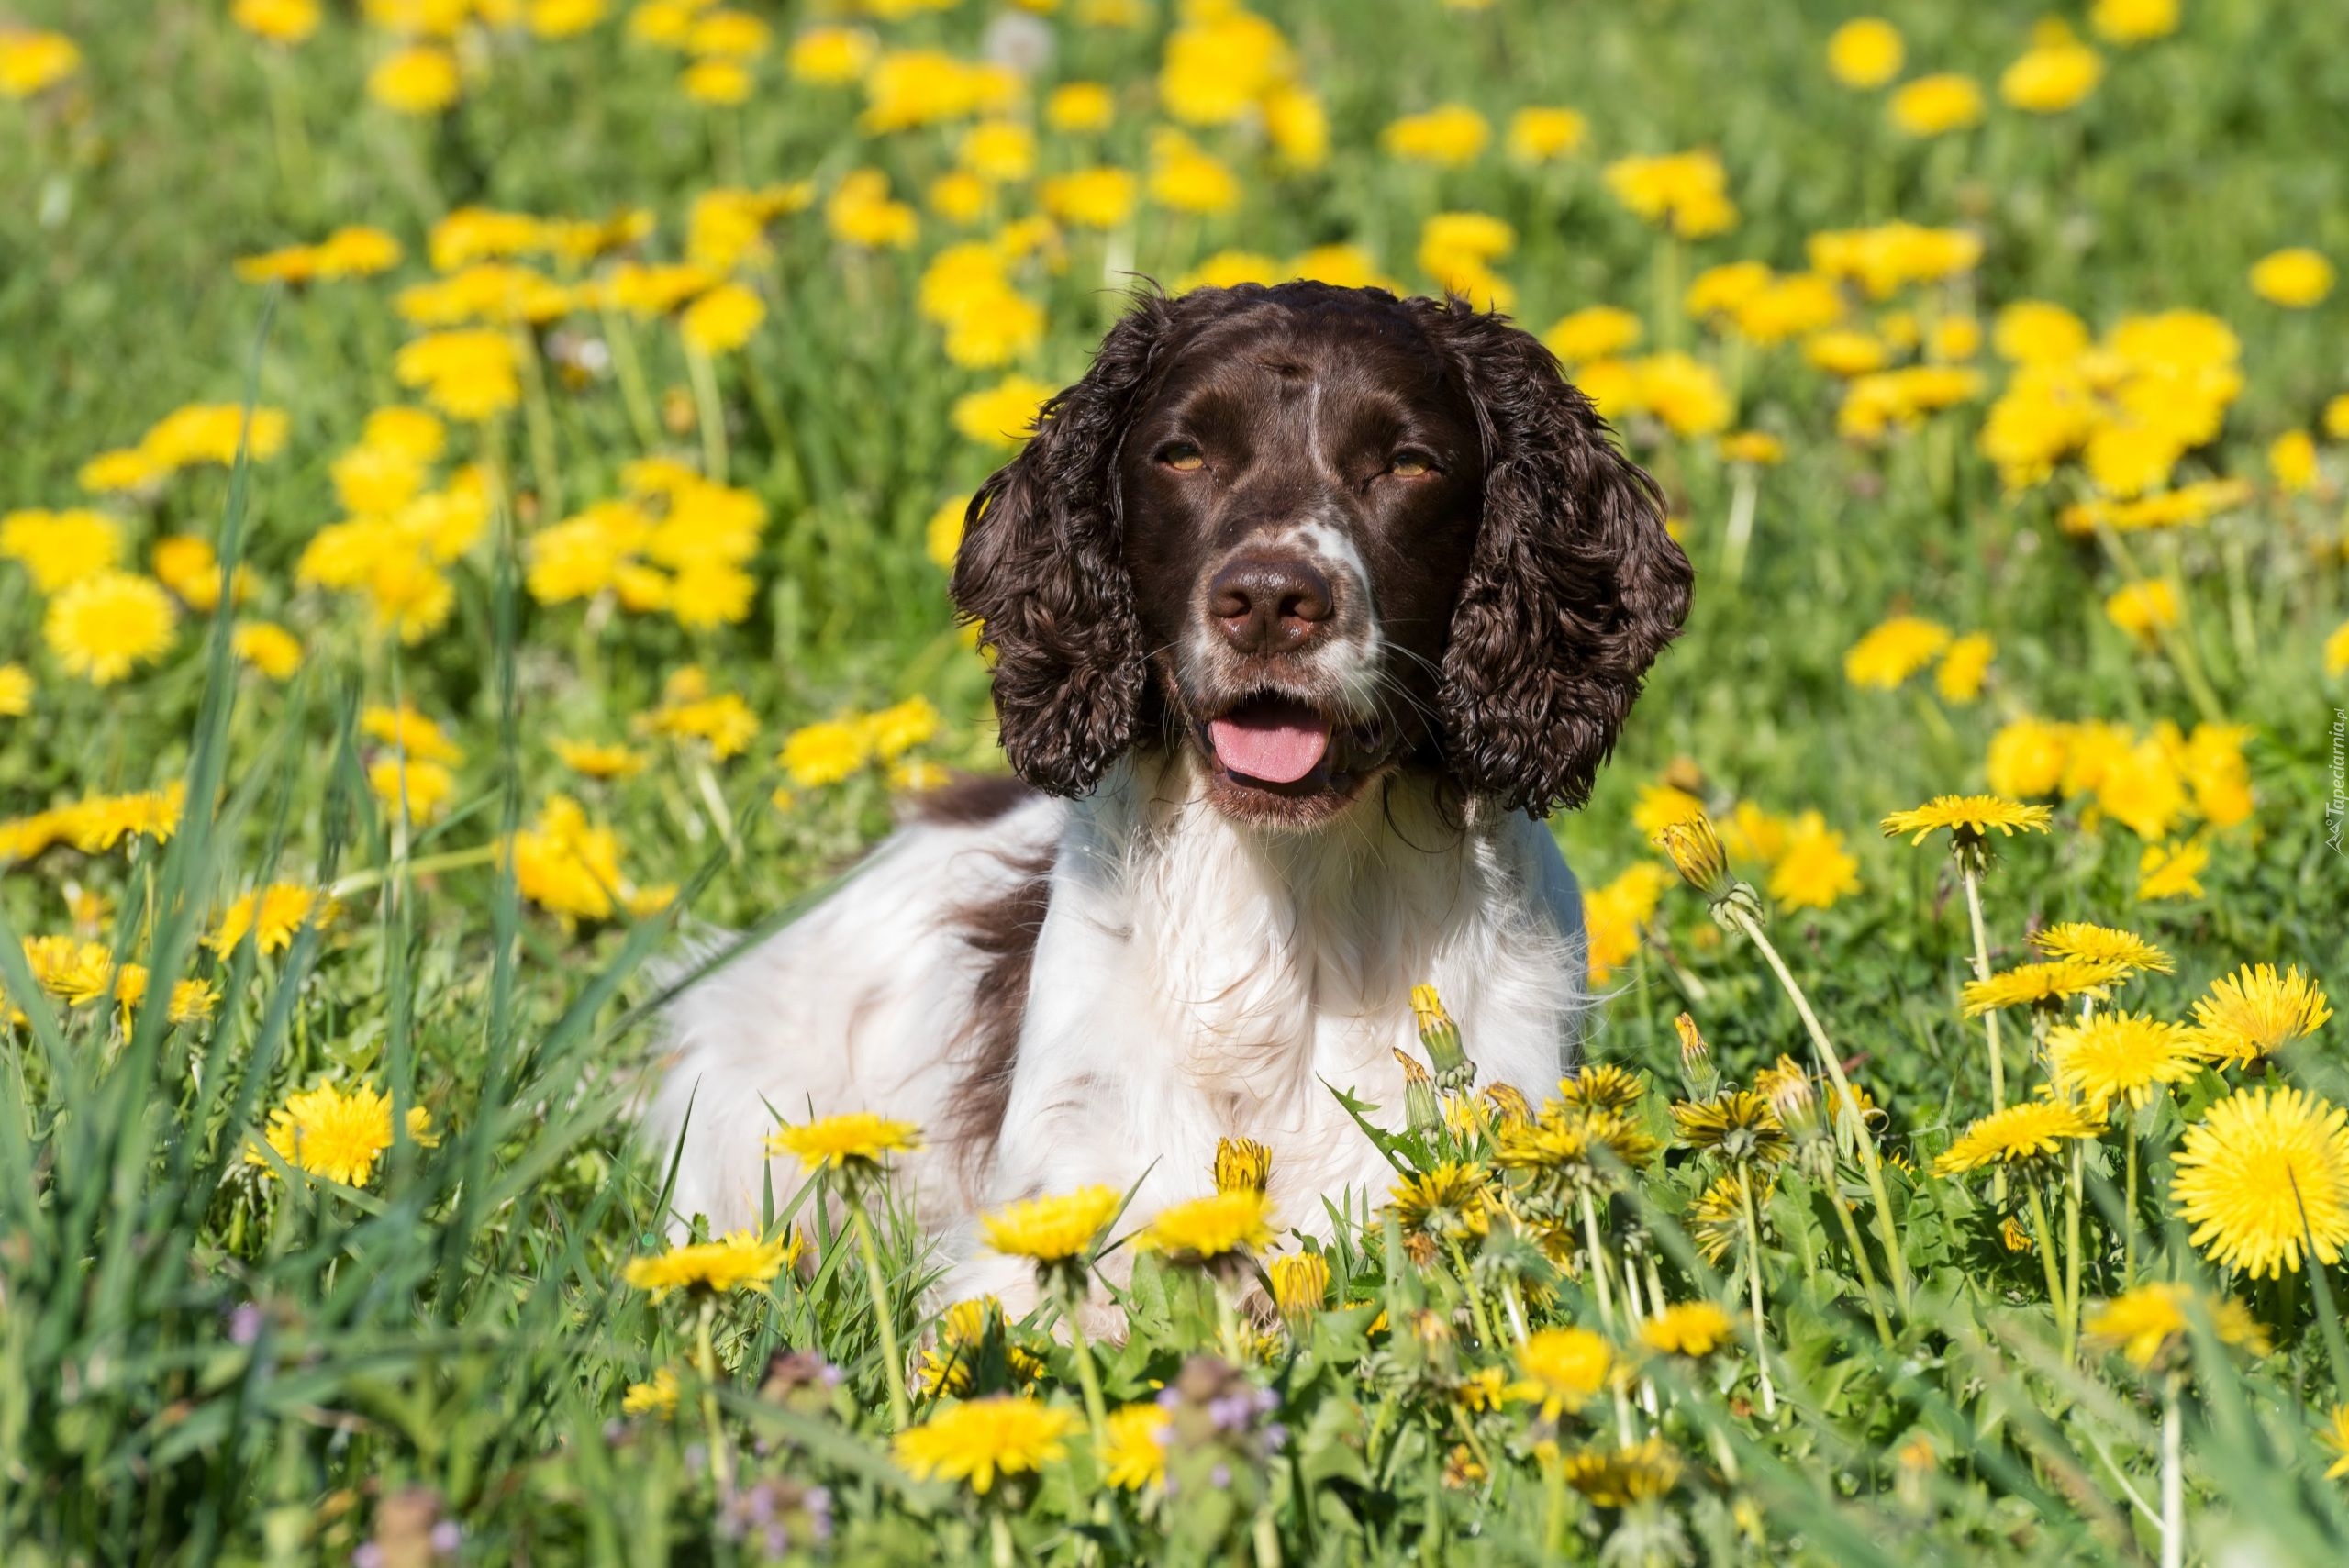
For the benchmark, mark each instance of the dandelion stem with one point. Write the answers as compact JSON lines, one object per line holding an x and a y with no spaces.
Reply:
{"x":1967,"y":875}
{"x":1097,"y":1407}
{"x":1554,"y":1507}
{"x":2072,"y":1195}
{"x":422,"y":865}
{"x":1860,"y":1260}
{"x":2045,"y":1242}
{"x":2173,"y":1478}
{"x":1597,"y":1260}
{"x":708,"y":413}
{"x":537,"y":415}
{"x":1753,"y":1282}
{"x":1476,"y":1297}
{"x":1000,"y":1539}
{"x":885,"y":1321}
{"x":721,"y":1463}
{"x":2129,"y":1210}
{"x":1738,"y":537}
{"x":621,"y":339}
{"x":713,"y":799}
{"x":1845,"y":1106}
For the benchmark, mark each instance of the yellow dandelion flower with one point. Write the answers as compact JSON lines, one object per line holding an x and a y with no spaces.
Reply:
{"x":1738,"y":1125}
{"x":656,"y":1396}
{"x":328,"y":1133}
{"x":899,"y":727}
{"x":2022,"y":1131}
{"x":824,"y":753}
{"x":272,"y":916}
{"x":2040,"y":984}
{"x":1133,"y":1446}
{"x":1602,"y":1086}
{"x":1561,"y":1370}
{"x":2134,"y":21}
{"x":1300,"y":1282}
{"x":1893,"y":651}
{"x":2119,"y":1055}
{"x":2264,"y":1174}
{"x":1639,"y":1472}
{"x":1052,"y":1229}
{"x":852,"y":1142}
{"x":269,"y":648}
{"x":2171,"y":870}
{"x":2295,"y":278}
{"x":2101,"y":944}
{"x":2053,"y":76}
{"x":1205,"y":1230}
{"x":59,"y":549}
{"x":1814,"y":869}
{"x":105,"y":626}
{"x":737,"y":1261}
{"x":2335,"y":1439}
{"x":722,"y":320}
{"x":1967,"y":816}
{"x":421,"y":80}
{"x":16,"y":691}
{"x":410,"y":732}
{"x":2149,"y":1324}
{"x":1449,"y":1202}
{"x":1003,"y":414}
{"x":2256,"y":1012}
{"x":1446,"y":136}
{"x":982,"y":1441}
{"x":1241,"y":1164}
{"x":1541,"y":133}
{"x":1688,"y":1328}
{"x":32,"y":62}
{"x":1937,"y":105}
{"x":598,"y":760}
{"x":1865,"y":53}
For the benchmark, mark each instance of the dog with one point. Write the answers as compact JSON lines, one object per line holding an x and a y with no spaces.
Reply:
{"x":1305,"y":604}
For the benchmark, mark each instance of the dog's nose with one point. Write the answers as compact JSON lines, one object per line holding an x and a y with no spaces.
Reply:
{"x":1270,"y":606}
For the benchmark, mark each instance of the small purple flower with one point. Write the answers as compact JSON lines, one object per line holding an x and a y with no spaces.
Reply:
{"x":1219,"y":1477}
{"x":369,"y":1555}
{"x":445,"y":1537}
{"x":244,"y":1323}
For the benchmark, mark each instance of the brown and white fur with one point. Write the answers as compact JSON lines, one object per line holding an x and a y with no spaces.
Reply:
{"x":1378,"y":550}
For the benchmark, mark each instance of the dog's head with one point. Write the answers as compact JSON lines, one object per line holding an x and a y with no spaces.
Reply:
{"x":1314,"y":533}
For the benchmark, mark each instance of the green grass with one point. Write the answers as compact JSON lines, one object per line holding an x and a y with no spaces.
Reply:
{"x":203,"y":1359}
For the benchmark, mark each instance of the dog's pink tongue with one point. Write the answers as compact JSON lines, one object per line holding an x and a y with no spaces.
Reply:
{"x":1277,"y":744}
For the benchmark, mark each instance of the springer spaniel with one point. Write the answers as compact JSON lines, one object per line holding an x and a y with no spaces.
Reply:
{"x":1306,"y":603}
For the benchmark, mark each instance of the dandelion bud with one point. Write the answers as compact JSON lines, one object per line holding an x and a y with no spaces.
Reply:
{"x":1243,"y":1164}
{"x":1508,"y":1105}
{"x":1300,"y":1285}
{"x":1454,"y":1071}
{"x":1695,"y":853}
{"x":1796,"y":1105}
{"x":1421,"y":1109}
{"x":1698,"y":1074}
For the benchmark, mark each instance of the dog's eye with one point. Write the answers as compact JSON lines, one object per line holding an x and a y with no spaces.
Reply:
{"x":1411,"y":465}
{"x":1182,"y":457}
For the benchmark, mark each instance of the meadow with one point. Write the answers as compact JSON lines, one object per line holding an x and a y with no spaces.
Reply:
{"x":479,"y":477}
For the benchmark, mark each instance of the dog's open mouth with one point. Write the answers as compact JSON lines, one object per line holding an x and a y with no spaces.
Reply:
{"x":1271,"y":740}
{"x":1274,"y":745}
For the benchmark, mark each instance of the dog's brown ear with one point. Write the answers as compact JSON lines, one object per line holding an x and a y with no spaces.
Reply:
{"x":1574,"y":586}
{"x":1041,"y":572}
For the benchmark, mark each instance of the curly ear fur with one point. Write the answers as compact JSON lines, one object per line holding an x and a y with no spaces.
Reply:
{"x":1041,"y":569}
{"x":1574,"y":586}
